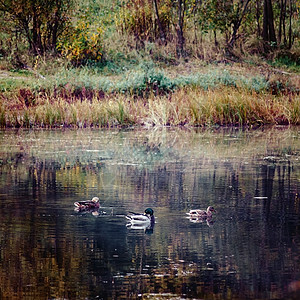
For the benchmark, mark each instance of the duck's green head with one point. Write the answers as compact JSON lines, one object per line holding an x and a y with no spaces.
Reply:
{"x":149,"y":211}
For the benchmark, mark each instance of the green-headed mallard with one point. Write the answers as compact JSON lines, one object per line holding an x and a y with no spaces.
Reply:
{"x":137,"y":218}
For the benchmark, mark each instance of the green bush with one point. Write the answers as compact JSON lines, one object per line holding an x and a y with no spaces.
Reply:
{"x":145,"y":79}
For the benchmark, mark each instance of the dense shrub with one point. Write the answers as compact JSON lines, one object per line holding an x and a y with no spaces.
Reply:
{"x":82,"y":43}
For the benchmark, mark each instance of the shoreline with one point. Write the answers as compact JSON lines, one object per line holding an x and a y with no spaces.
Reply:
{"x":216,"y":96}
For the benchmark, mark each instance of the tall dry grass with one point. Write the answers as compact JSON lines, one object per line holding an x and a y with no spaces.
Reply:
{"x":186,"y":106}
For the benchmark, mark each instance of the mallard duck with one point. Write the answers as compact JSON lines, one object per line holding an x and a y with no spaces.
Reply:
{"x":201,"y":213}
{"x":88,"y":204}
{"x":147,"y":217}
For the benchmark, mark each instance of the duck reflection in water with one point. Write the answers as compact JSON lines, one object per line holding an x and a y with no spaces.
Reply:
{"x":209,"y":221}
{"x":144,"y":221}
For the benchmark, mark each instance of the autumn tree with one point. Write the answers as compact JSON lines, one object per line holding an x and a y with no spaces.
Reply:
{"x":40,"y":21}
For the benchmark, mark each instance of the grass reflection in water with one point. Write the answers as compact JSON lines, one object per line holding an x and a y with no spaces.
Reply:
{"x":250,"y":250}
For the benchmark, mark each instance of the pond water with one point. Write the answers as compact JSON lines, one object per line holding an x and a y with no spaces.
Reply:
{"x":249,"y":250}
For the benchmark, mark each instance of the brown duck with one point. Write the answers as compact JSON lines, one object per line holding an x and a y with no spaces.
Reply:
{"x":202,"y":213}
{"x":88,"y":204}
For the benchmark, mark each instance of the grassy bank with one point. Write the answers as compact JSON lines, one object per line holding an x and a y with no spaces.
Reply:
{"x":186,"y":94}
{"x":191,"y":106}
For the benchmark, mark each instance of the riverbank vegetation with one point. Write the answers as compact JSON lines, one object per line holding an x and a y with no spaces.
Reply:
{"x":109,"y":63}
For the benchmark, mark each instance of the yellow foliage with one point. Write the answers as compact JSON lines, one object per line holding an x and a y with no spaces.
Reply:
{"x":82,"y":44}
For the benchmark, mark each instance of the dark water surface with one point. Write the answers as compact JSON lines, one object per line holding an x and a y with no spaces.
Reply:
{"x":251,"y":250}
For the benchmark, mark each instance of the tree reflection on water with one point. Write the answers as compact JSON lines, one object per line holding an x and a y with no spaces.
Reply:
{"x":249,"y":250}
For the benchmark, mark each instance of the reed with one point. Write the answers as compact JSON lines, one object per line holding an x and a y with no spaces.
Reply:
{"x":223,"y":107}
{"x":85,"y":113}
{"x":232,"y":107}
{"x":190,"y":106}
{"x":2,"y":117}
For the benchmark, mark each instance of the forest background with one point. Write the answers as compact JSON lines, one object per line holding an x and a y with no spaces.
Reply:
{"x":149,"y":62}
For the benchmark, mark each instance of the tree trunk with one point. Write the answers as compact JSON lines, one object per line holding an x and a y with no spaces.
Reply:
{"x":237,"y":22}
{"x":179,"y":28}
{"x":280,"y":22}
{"x":290,"y":28}
{"x":258,"y":18}
{"x":269,"y":36}
{"x":36,"y":33}
{"x":215,"y":38}
{"x":283,"y":24}
{"x":161,"y":30}
{"x":24,"y":25}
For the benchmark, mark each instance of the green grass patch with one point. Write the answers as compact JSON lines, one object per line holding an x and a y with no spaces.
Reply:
{"x":287,"y":60}
{"x":143,"y":80}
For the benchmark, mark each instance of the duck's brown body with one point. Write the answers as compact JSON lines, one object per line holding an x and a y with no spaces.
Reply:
{"x":202,"y":213}
{"x":88,"y":204}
